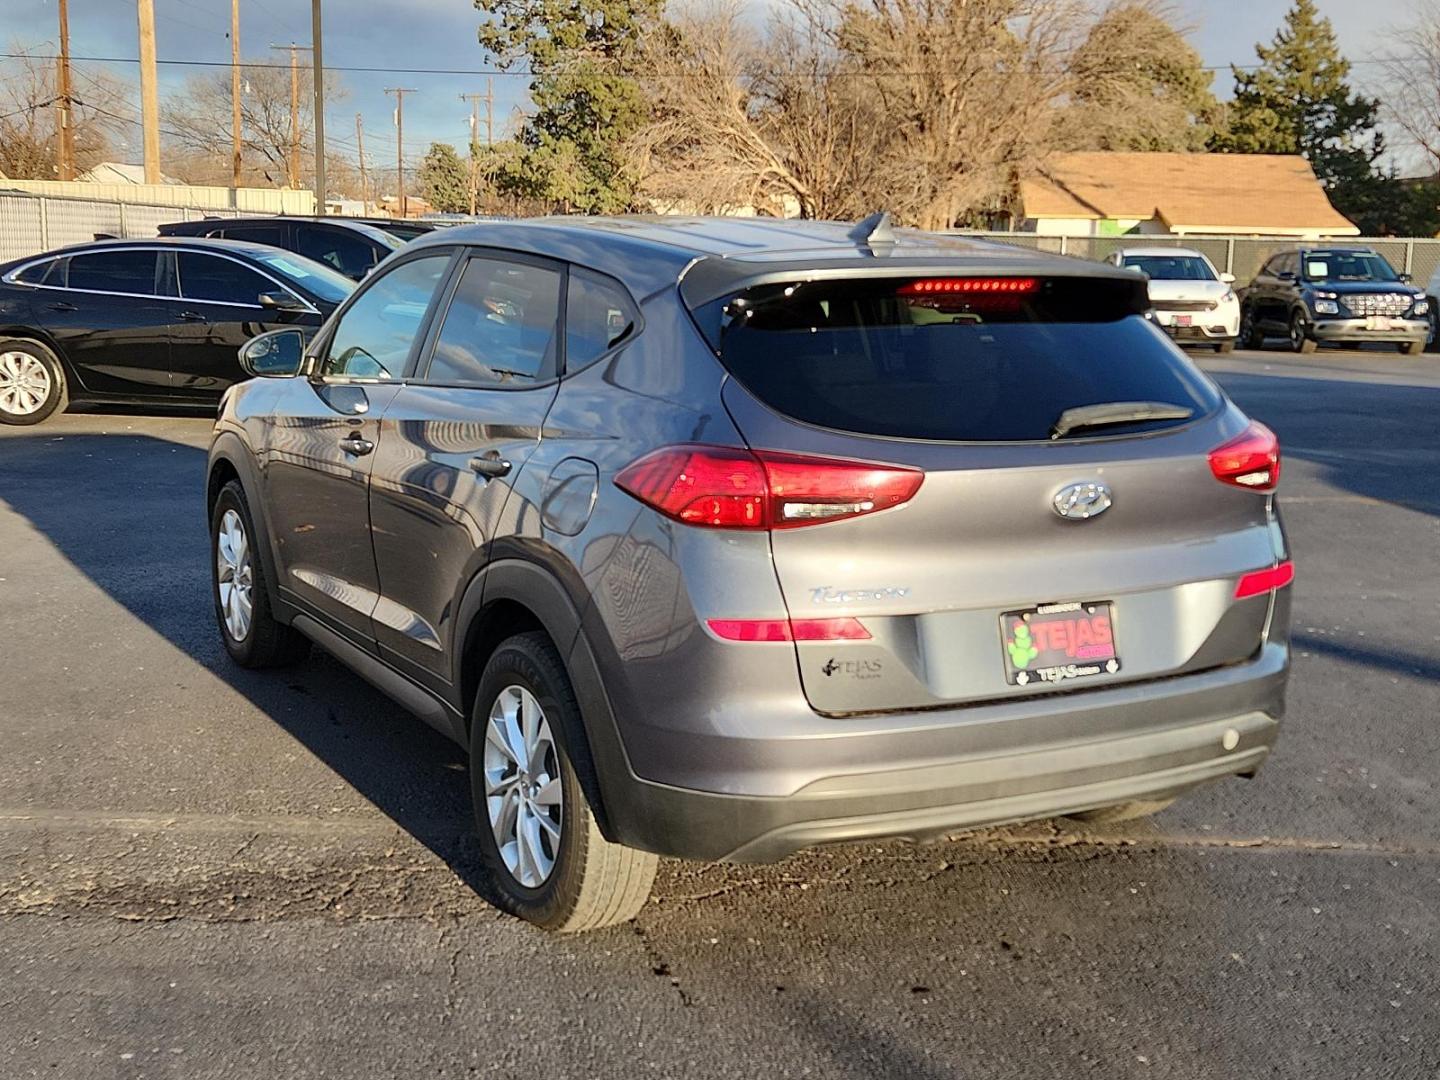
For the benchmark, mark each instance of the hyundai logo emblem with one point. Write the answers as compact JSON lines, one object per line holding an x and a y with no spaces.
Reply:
{"x":1080,"y":502}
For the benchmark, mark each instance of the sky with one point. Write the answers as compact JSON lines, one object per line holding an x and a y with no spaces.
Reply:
{"x":442,"y":34}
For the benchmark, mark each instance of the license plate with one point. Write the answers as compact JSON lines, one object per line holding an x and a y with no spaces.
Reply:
{"x":1378,"y":322}
{"x":1057,"y":642}
{"x":1182,"y":320}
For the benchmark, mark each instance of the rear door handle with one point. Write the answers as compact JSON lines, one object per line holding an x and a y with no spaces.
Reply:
{"x":62,"y":306}
{"x":193,"y":316}
{"x":490,"y":465}
{"x":356,"y":446}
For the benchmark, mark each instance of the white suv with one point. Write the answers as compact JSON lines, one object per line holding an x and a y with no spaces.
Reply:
{"x":1190,"y":300}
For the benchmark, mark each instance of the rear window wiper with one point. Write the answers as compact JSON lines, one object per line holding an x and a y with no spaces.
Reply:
{"x":1116,"y":412}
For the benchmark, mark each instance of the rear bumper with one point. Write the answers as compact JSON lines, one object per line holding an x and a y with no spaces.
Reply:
{"x":1147,"y":740}
{"x":1353,"y":330}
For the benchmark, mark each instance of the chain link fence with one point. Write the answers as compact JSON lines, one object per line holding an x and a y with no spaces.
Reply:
{"x":1239,"y":255}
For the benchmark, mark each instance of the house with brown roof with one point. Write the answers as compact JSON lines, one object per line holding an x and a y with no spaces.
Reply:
{"x":1109,"y":193}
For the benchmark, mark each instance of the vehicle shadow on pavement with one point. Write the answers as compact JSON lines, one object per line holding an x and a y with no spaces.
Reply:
{"x":1372,"y":447}
{"x":127,"y":510}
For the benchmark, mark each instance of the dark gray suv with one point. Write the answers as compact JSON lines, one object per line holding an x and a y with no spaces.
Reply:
{"x":723,"y":538}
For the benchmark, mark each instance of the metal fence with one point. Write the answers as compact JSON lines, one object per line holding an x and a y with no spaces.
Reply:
{"x":1239,"y":255}
{"x":30,"y":224}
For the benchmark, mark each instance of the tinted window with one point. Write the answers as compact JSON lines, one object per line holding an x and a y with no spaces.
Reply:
{"x":1170,"y":267}
{"x":373,"y":338}
{"x":338,"y":249}
{"x":209,"y":277}
{"x":262,"y":233}
{"x":114,"y":271}
{"x":51,"y":272}
{"x":500,"y":327}
{"x":902,"y":359}
{"x":598,"y":316}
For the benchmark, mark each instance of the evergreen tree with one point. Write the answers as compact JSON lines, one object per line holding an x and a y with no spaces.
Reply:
{"x":1138,"y":86}
{"x":445,"y":180}
{"x":1299,"y":101}
{"x":587,"y":103}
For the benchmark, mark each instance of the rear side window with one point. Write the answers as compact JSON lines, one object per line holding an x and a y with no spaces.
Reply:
{"x":500,"y":327}
{"x":114,"y":271}
{"x":955,"y":359}
{"x":217,"y":280}
{"x":263,"y":233}
{"x":598,"y":316}
{"x":338,"y":249}
{"x":50,"y":272}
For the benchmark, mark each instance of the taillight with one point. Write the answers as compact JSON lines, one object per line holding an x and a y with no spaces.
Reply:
{"x":1263,"y":581}
{"x":726,"y":488}
{"x":789,"y":629}
{"x":1250,"y":460}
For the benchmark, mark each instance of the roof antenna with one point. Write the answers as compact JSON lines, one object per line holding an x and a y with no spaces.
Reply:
{"x":874,"y":231}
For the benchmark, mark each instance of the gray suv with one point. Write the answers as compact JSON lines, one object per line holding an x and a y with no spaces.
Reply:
{"x":723,"y":538}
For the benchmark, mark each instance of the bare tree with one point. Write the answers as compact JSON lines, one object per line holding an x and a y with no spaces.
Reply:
{"x":29,"y":97}
{"x":197,"y":123}
{"x":1408,"y":85}
{"x":928,"y":108}
{"x":746,"y":120}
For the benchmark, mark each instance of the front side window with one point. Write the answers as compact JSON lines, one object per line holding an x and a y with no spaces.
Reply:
{"x":338,"y":249}
{"x":223,"y":281}
{"x":114,"y":271}
{"x":598,"y":316}
{"x":500,"y":326}
{"x":374,"y":337}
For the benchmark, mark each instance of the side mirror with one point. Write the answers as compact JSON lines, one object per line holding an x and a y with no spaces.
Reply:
{"x":1228,"y":279}
{"x":280,"y":301}
{"x":1286,"y":275}
{"x":1407,"y":278}
{"x":276,"y":354}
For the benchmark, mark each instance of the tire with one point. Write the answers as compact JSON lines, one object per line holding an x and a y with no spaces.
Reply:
{"x":569,"y":878}
{"x":1225,"y":348}
{"x":32,"y":382}
{"x":1126,"y":811}
{"x":259,"y":640}
{"x":1250,"y":335}
{"x":1432,"y":340}
{"x":1412,"y":348}
{"x":1300,"y":339}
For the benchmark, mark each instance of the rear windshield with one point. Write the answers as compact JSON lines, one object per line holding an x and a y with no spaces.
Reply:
{"x":953,"y":359}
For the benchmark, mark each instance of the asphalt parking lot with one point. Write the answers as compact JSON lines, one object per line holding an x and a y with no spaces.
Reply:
{"x":206,"y":872}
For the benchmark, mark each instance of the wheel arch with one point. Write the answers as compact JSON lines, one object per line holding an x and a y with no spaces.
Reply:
{"x":31,"y":333}
{"x":231,"y":460}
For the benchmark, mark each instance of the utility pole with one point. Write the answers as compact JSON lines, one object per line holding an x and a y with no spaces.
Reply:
{"x":292,"y":163}
{"x":234,"y":93}
{"x":65,"y":167}
{"x":488,"y":97}
{"x":149,"y":90}
{"x":400,"y":92}
{"x":364,"y":183}
{"x":317,"y":47}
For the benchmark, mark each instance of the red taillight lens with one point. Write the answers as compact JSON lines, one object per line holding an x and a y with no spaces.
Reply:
{"x":1264,"y":581}
{"x":789,"y":629}
{"x":725,"y":488}
{"x":1250,"y":460}
{"x":964,"y":286}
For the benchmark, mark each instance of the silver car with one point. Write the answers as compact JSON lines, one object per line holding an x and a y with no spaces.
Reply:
{"x":723,"y":538}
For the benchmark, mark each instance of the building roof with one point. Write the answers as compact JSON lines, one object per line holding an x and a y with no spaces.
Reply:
{"x":1271,"y":194}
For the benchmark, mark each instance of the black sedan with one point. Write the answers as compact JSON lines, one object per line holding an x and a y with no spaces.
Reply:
{"x":146,"y":321}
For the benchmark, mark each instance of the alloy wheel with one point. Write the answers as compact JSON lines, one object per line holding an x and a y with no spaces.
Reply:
{"x":523,"y":793}
{"x":25,"y":383}
{"x":236,"y":577}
